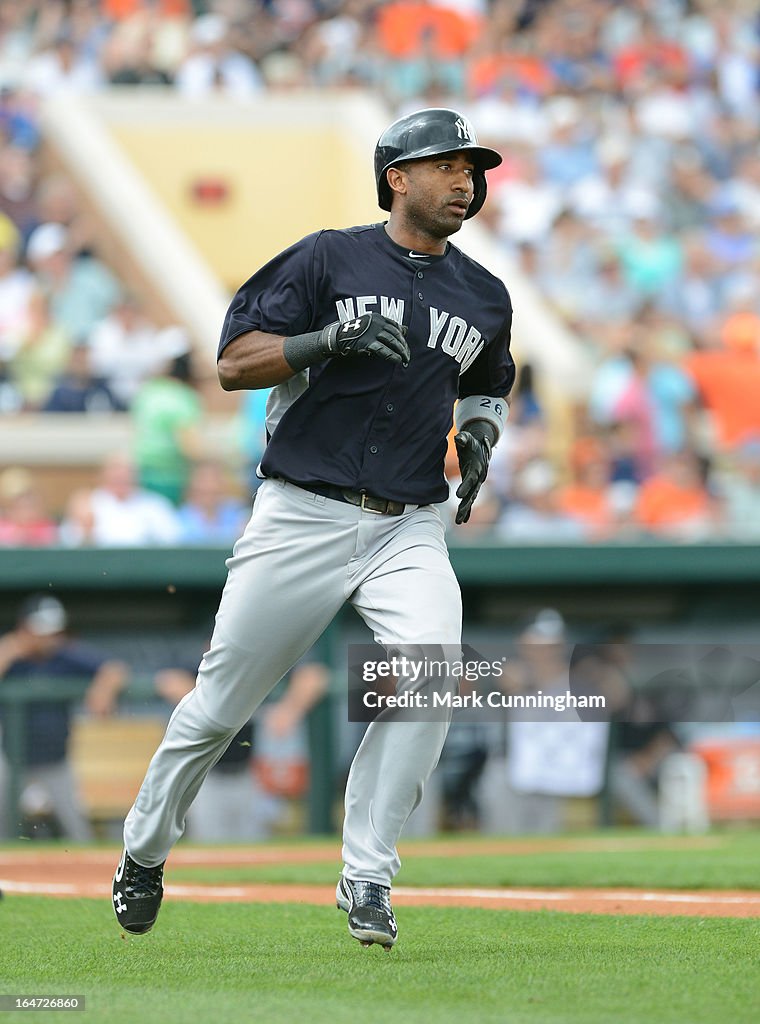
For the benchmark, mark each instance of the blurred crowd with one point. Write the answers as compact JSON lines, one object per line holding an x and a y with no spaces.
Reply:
{"x":629,"y":194}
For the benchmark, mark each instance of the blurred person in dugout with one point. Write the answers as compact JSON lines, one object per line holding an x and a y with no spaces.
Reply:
{"x":39,"y":651}
{"x":541,"y":757}
{"x":642,"y":735}
{"x":242,"y":796}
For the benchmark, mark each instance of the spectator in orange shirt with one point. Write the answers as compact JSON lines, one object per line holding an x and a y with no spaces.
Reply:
{"x":120,"y":9}
{"x":650,"y":53}
{"x":425,"y":43}
{"x":728,"y":381}
{"x":675,"y":502}
{"x":587,"y":499}
{"x":488,"y":72}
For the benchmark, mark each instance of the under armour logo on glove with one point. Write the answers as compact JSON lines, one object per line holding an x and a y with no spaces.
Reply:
{"x":370,"y":334}
{"x":120,"y":907}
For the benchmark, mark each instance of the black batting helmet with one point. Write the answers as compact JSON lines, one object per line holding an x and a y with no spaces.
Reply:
{"x":429,"y":133}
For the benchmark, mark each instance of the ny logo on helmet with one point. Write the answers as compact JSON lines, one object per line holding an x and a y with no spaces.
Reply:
{"x":464,"y":131}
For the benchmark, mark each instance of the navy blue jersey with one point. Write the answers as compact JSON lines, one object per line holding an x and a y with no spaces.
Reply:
{"x":361,"y":422}
{"x":49,"y":722}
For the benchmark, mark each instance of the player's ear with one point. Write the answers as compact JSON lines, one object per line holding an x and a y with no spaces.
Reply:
{"x":397,"y":180}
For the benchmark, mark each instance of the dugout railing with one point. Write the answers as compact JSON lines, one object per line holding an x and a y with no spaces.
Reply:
{"x":699,"y":591}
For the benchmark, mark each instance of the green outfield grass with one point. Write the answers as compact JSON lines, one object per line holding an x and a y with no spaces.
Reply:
{"x":731,"y":861}
{"x":287,"y":964}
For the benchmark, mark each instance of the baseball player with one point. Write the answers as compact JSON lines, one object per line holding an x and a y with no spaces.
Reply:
{"x":368,"y":336}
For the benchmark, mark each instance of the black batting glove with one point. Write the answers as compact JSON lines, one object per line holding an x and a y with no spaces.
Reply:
{"x":473,"y":445}
{"x":370,"y":334}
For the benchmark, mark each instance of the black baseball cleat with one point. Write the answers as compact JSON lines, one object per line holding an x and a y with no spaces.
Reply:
{"x":370,"y":914}
{"x":137,"y":895}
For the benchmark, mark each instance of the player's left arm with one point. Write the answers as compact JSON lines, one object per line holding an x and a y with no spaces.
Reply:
{"x":481,"y":414}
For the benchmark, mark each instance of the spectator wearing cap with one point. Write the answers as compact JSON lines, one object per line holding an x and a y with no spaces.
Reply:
{"x":82,"y":290}
{"x":38,"y":651}
{"x":119,"y":513}
{"x":24,"y":522}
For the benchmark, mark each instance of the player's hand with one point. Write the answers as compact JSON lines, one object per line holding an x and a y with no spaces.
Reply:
{"x":15,"y":646}
{"x":370,"y":334}
{"x":281,"y":719}
{"x":474,"y":453}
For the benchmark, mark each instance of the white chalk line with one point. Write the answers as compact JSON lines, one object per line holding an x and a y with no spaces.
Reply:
{"x":235,"y":893}
{"x":577,"y":894}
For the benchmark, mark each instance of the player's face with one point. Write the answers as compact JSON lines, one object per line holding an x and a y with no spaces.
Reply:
{"x":439,"y":192}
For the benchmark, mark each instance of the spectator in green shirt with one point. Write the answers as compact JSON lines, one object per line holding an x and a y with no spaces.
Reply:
{"x":167,"y":413}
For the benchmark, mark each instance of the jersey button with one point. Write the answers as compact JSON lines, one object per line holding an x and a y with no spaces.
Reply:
{"x":389,"y":407}
{"x":373,"y":449}
{"x":420,"y":275}
{"x":419,"y":295}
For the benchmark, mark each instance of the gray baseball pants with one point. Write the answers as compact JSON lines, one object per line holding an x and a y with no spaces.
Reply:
{"x":301,"y":557}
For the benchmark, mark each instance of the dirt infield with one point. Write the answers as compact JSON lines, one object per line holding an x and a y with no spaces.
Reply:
{"x":87,"y":873}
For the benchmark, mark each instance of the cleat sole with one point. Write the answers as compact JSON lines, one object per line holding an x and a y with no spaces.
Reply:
{"x":366,"y":935}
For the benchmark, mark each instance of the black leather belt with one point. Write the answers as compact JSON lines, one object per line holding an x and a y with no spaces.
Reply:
{"x":382,"y":506}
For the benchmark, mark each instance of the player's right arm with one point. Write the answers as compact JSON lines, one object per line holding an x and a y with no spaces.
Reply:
{"x":259,"y":360}
{"x":253,"y":360}
{"x":268,"y":333}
